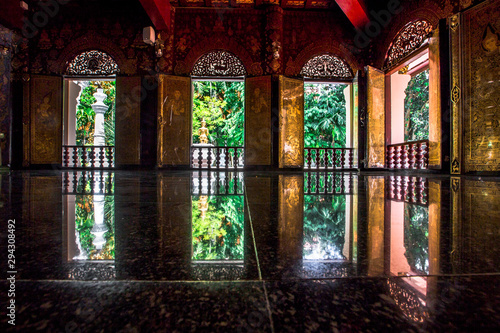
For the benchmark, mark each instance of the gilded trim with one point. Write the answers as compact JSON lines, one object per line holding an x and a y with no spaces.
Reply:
{"x":456,"y":83}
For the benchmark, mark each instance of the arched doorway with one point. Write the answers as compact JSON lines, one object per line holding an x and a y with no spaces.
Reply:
{"x":89,"y":111}
{"x":330,"y":127}
{"x":218,"y":111}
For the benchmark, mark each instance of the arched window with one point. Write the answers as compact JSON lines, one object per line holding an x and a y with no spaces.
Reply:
{"x":409,"y":39}
{"x":92,"y":62}
{"x":326,"y":66}
{"x":218,"y":63}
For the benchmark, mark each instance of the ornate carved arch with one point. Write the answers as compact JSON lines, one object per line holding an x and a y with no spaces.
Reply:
{"x":218,"y":63}
{"x":92,"y":62}
{"x":92,"y":41}
{"x":420,"y":10}
{"x":293,"y":67}
{"x":217,"y":43}
{"x":327,"y":66}
{"x":409,"y":39}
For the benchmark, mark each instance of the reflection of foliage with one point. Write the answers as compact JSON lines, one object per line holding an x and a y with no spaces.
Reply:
{"x":220,"y":234}
{"x":324,"y":115}
{"x":416,"y":237}
{"x":84,"y":222}
{"x":85,"y":115}
{"x":417,"y":108}
{"x":221,"y":103}
{"x":324,"y":226}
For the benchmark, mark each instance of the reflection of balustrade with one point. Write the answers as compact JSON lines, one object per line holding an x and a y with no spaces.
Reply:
{"x":408,"y":301}
{"x":88,"y":156}
{"x":217,"y":157}
{"x":88,"y":182}
{"x":217,"y":183}
{"x":408,"y":189}
{"x":329,"y":158}
{"x":101,"y":271}
{"x":408,"y":155}
{"x":328,"y":183}
{"x":217,"y":271}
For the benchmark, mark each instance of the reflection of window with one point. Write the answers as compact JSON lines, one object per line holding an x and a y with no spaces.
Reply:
{"x":218,"y":227}
{"x":416,"y":237}
{"x":324,"y":227}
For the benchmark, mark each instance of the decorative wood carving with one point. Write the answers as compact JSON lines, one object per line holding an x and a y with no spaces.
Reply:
{"x":174,"y":120}
{"x":291,"y":123}
{"x":127,"y":123}
{"x":326,"y":66}
{"x":46,"y":120}
{"x":92,"y":63}
{"x":218,"y":63}
{"x":258,"y":121}
{"x":376,"y":119}
{"x":481,"y":37}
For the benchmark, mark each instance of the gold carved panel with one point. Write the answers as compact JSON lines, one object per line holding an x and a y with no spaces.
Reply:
{"x":258,"y":121}
{"x":455,"y":92}
{"x":291,"y":143}
{"x":46,"y":120}
{"x":376,"y":118}
{"x":127,"y":123}
{"x":435,"y":155}
{"x":174,"y":120}
{"x":481,"y":40}
{"x":291,"y":217}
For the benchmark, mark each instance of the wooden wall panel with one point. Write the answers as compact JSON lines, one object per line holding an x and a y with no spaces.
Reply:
{"x":435,"y":130}
{"x":174,"y":120}
{"x":375,"y":148}
{"x":291,"y":123}
{"x":127,"y":123}
{"x":46,"y":120}
{"x":258,"y":147}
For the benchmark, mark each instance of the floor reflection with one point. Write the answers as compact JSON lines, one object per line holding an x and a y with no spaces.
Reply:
{"x":246,"y":226}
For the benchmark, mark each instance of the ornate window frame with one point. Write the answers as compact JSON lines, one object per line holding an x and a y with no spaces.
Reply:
{"x":92,"y":62}
{"x":218,"y":63}
{"x":327,"y":66}
{"x":408,"y":40}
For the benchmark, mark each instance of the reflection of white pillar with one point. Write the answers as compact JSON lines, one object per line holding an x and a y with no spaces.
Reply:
{"x":99,"y":228}
{"x":99,"y":109}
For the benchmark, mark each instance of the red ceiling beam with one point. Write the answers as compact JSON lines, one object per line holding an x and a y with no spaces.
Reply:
{"x":159,"y":13}
{"x":355,"y":10}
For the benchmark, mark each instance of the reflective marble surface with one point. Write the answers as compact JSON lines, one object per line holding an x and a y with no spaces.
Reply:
{"x":252,"y":251}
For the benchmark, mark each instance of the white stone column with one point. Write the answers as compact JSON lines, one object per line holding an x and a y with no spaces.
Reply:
{"x":99,"y":108}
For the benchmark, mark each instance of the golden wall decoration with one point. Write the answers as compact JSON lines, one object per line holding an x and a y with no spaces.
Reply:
{"x":434,"y":225}
{"x":258,"y":121}
{"x":127,"y":123}
{"x":435,"y":131}
{"x":376,"y":218}
{"x":456,"y":105}
{"x":375,"y":148}
{"x":174,"y":120}
{"x":46,"y":120}
{"x":291,"y":143}
{"x":291,"y":217}
{"x":481,"y":40}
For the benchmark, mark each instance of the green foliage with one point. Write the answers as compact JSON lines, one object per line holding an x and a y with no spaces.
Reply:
{"x":218,"y":235}
{"x":417,"y":108}
{"x":324,"y":115}
{"x":416,"y":237}
{"x":85,"y":115}
{"x":324,"y":226}
{"x":221,"y":104}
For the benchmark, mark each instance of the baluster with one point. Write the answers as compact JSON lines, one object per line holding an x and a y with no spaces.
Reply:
{"x":317,"y":158}
{"x":75,"y":157}
{"x":65,"y":156}
{"x":351,"y":158}
{"x":75,"y":181}
{"x":93,"y":156}
{"x":425,"y":154}
{"x":217,"y":158}
{"x":342,"y":158}
{"x":66,"y":182}
{"x":217,"y":182}
{"x":209,"y":182}
{"x":325,"y":158}
{"x":92,"y":181}
{"x":200,"y":157}
{"x":101,"y":157}
{"x":209,"y":158}
{"x":84,"y":157}
{"x":308,"y":157}
{"x":101,"y":181}
{"x":226,"y":181}
{"x":111,"y":156}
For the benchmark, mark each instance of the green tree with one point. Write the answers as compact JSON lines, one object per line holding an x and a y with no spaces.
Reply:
{"x":221,"y":104}
{"x":416,"y":237}
{"x":417,"y":108}
{"x":324,"y":115}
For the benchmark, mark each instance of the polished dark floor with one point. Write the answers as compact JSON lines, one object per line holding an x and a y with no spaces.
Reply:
{"x":164,"y":251}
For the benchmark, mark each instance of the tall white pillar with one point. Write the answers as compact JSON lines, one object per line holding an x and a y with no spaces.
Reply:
{"x":99,"y":228}
{"x":99,"y":108}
